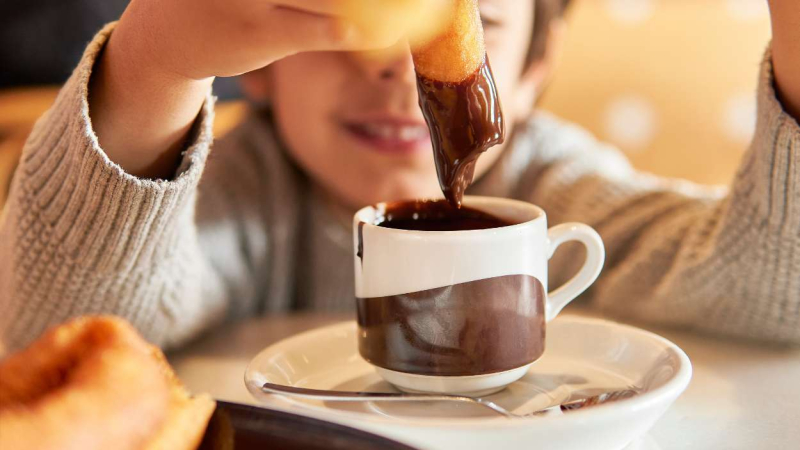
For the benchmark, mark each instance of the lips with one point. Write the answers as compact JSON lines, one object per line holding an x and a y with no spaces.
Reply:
{"x":391,"y":136}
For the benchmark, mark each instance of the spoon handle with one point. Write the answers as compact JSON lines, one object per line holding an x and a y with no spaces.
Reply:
{"x":319,"y":394}
{"x":347,"y":396}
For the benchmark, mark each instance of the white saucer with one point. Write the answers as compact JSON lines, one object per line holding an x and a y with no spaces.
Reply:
{"x":582,"y":356}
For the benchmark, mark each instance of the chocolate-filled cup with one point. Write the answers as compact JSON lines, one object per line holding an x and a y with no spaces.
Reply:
{"x":462,"y":309}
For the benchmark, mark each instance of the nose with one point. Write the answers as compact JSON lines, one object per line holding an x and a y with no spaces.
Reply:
{"x":389,"y":65}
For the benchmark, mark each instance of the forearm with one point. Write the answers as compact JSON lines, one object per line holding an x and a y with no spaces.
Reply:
{"x":81,"y":236}
{"x":786,"y":53}
{"x":722,"y":266}
{"x":688,"y":259}
{"x":679,"y":254}
{"x":169,"y":303}
{"x":141,"y":113}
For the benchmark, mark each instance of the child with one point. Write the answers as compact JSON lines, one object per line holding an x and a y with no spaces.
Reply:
{"x":118,"y":207}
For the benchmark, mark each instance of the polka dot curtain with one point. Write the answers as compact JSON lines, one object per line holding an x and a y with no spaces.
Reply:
{"x":671,"y":82}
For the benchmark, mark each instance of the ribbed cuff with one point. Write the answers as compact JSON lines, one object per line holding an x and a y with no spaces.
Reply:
{"x":76,"y":199}
{"x":770,"y":174}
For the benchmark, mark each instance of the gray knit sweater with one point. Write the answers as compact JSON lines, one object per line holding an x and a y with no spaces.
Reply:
{"x":242,"y":231}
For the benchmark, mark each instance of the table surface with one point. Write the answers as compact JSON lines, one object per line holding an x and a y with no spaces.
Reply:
{"x":742,"y":396}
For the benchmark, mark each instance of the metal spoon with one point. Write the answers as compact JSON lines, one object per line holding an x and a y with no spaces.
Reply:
{"x":347,"y":396}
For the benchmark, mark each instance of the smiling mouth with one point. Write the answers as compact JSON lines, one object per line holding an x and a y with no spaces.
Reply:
{"x":391,"y":137}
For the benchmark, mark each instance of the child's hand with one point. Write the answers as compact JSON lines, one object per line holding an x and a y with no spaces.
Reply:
{"x":159,"y":63}
{"x":197,"y":39}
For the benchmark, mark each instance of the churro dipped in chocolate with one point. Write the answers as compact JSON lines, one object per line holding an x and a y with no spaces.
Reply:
{"x":458,"y":98}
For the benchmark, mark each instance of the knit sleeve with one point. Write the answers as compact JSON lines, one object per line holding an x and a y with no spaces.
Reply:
{"x":721,"y":261}
{"x":81,"y":236}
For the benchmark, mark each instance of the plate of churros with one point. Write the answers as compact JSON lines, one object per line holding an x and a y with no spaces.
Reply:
{"x":94,"y":383}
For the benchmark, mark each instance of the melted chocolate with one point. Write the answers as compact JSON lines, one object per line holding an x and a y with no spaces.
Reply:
{"x":465,"y":120}
{"x":360,"y":252}
{"x":474,"y":328}
{"x":435,"y":215}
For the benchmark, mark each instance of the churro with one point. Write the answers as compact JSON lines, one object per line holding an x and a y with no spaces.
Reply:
{"x":458,"y":97}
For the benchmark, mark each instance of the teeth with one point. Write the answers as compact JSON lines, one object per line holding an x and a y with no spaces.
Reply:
{"x":412,"y":133}
{"x":403,"y":133}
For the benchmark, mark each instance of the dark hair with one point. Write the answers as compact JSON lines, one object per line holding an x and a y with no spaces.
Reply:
{"x":545,"y":11}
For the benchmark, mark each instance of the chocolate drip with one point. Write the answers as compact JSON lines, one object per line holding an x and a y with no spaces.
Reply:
{"x":465,"y":120}
{"x":360,"y":252}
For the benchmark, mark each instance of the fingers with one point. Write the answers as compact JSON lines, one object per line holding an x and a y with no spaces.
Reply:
{"x":418,"y":20}
{"x":291,"y":31}
{"x":355,"y":9}
{"x":323,"y":7}
{"x":381,"y":20}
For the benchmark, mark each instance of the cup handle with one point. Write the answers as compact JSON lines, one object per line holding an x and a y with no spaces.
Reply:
{"x":595,"y":256}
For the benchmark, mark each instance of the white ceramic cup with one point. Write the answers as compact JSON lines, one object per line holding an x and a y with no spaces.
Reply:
{"x":462,"y":311}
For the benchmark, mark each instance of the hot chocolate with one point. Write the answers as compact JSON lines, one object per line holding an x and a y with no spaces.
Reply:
{"x":436,"y":215}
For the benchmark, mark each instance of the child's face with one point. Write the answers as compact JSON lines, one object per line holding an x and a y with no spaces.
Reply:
{"x":352,"y":120}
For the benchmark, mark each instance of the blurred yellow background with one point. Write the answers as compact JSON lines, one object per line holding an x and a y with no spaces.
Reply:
{"x":671,"y":82}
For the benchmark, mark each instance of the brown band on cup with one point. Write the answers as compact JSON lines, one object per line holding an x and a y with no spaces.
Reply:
{"x":473,"y":328}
